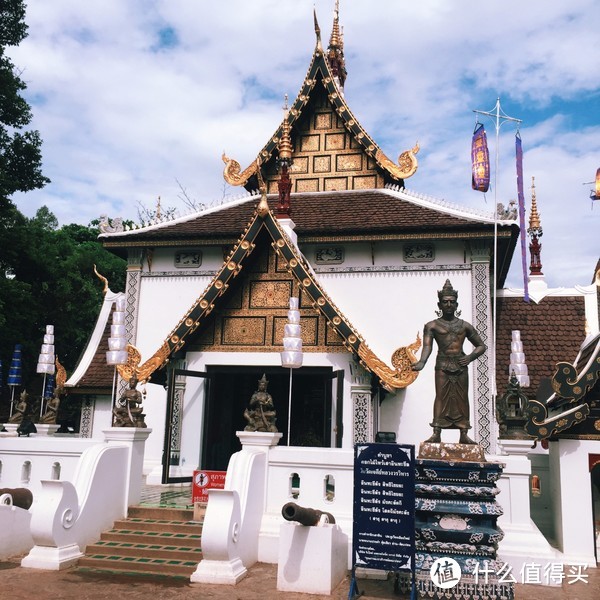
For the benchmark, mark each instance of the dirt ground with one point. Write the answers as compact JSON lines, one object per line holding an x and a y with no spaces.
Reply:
{"x":17,"y":583}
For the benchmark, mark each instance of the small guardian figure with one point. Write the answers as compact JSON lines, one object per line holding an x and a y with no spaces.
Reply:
{"x":451,"y":405}
{"x":260,"y":414}
{"x":128,"y":409}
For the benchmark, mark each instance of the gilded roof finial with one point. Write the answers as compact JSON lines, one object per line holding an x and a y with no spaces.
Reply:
{"x":335,"y":51}
{"x":534,"y":217}
{"x":285,"y":144}
{"x":335,"y":40}
{"x":102,"y":279}
{"x":158,"y":213}
{"x":535,"y":232}
{"x":317,"y":28}
{"x":263,"y":205}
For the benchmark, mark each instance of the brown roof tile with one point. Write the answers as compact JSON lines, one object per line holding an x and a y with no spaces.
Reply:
{"x":551,"y":331}
{"x":368,"y":212}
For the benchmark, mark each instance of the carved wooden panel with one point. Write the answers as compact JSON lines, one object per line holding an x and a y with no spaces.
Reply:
{"x":310,"y":326}
{"x":243,"y":331}
{"x":270,"y":294}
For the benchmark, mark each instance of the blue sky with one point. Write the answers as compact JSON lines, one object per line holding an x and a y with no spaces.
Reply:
{"x":134,"y":98}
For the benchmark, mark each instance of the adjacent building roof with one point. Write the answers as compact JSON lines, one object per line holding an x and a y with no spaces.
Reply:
{"x":551,"y":330}
{"x":93,"y":375}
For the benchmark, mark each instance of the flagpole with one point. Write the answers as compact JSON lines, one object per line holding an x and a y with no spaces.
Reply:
{"x":500,"y":117}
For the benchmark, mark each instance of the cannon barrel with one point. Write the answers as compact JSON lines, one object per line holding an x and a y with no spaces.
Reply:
{"x":305,"y":516}
{"x":21,"y":497}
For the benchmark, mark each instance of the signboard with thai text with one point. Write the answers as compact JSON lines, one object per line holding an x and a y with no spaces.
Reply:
{"x":204,"y":481}
{"x":384,"y":506}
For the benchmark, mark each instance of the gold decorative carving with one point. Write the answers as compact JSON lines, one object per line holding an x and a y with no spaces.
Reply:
{"x":309,"y":143}
{"x":270,"y":294}
{"x":323,"y":121}
{"x":300,"y":165}
{"x":349,"y":162}
{"x":407,"y":163}
{"x":143,"y":372}
{"x":307,"y":185}
{"x":103,"y":280}
{"x":233,"y":174}
{"x":336,"y":183}
{"x":321,"y":164}
{"x":334,"y":141}
{"x":309,"y":330}
{"x":243,"y":331}
{"x":402,"y":360}
{"x":364,"y":183}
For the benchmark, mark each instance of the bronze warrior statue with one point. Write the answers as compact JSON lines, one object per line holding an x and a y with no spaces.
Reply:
{"x":451,"y":406}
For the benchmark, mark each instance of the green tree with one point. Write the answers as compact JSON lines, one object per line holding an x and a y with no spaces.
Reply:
{"x":20,"y":150}
{"x":51,"y":281}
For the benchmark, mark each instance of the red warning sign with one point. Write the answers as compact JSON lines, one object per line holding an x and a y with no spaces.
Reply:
{"x":204,"y":481}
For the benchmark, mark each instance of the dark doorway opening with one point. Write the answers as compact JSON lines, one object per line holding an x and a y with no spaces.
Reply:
{"x":230,"y":392}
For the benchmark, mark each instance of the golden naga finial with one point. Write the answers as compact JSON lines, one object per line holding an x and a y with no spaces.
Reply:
{"x":407,"y":162}
{"x":102,"y":278}
{"x":317,"y":28}
{"x":534,"y":218}
{"x":60,"y":379}
{"x":263,"y":205}
{"x":233,"y":174}
{"x":402,"y":360}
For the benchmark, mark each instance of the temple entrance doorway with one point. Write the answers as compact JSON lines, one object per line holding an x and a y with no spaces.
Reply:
{"x":313,"y":389}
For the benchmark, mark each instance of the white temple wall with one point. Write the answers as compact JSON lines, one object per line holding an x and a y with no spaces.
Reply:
{"x":397,"y":307}
{"x":164,"y":300}
{"x":573,"y":514}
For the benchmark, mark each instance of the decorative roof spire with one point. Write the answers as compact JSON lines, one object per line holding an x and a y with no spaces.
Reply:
{"x":317,"y":28}
{"x":335,"y":51}
{"x":285,"y":148}
{"x":535,"y":232}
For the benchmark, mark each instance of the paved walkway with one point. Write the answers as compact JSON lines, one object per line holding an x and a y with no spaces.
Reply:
{"x":17,"y":583}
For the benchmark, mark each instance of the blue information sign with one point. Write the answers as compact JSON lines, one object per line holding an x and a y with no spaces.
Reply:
{"x":383,"y":534}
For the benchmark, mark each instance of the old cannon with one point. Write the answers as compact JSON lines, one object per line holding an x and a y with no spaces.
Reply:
{"x":305,"y":516}
{"x":21,"y":497}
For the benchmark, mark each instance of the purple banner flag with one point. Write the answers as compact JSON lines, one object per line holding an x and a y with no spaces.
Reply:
{"x":519,"y":153}
{"x":480,"y":159}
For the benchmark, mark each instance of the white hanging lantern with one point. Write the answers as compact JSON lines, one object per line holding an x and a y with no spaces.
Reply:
{"x":517,"y":360}
{"x":45,"y":362}
{"x":291,"y":357}
{"x":117,"y":342}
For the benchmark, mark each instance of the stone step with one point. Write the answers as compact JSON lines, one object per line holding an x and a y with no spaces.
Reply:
{"x":152,"y":541}
{"x":140,"y":524}
{"x":164,"y":538}
{"x":137,"y":565}
{"x":155,"y":512}
{"x":171,"y":551}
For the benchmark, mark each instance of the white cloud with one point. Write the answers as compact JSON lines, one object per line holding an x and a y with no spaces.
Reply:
{"x":122,"y":119}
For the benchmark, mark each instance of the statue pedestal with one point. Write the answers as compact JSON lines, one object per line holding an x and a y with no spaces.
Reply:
{"x":452,"y":452}
{"x":11,"y":429}
{"x":47,"y":428}
{"x":312,"y":560}
{"x":456,"y":518}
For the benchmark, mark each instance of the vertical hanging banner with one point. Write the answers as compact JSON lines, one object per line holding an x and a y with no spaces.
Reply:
{"x":521,"y":197}
{"x":480,"y":159}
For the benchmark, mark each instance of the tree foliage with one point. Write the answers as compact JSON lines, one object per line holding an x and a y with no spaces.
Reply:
{"x":20,"y":150}
{"x":49,"y":280}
